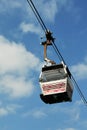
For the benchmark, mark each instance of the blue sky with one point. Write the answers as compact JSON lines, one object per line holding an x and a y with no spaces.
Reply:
{"x":21,"y":58}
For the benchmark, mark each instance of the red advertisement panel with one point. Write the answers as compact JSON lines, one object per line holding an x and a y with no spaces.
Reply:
{"x":58,"y":86}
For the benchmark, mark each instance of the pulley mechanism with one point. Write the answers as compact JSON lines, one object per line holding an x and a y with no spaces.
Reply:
{"x":48,"y":42}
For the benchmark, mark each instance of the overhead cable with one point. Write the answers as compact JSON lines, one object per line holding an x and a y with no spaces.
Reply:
{"x":79,"y":91}
{"x":37,"y":15}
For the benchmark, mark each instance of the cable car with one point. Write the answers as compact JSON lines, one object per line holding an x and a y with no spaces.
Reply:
{"x":55,"y":83}
{"x":55,"y":80}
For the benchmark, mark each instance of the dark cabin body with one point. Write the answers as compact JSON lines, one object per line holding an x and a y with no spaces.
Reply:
{"x":55,"y":83}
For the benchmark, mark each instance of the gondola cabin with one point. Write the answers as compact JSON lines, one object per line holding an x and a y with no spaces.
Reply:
{"x":55,"y":83}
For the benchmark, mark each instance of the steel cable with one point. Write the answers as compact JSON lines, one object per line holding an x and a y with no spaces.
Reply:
{"x":37,"y":15}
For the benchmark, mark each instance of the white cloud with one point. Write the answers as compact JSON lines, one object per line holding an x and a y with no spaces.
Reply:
{"x":38,"y":114}
{"x":3,"y":112}
{"x":30,"y":28}
{"x":35,"y":113}
{"x":16,"y":87}
{"x":80,"y":70}
{"x":8,"y":5}
{"x":68,"y":129}
{"x":50,"y":9}
{"x":9,"y":109}
{"x":47,"y":9}
{"x":49,"y":13}
{"x":15,"y":57}
{"x":73,"y":112}
{"x":16,"y":64}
